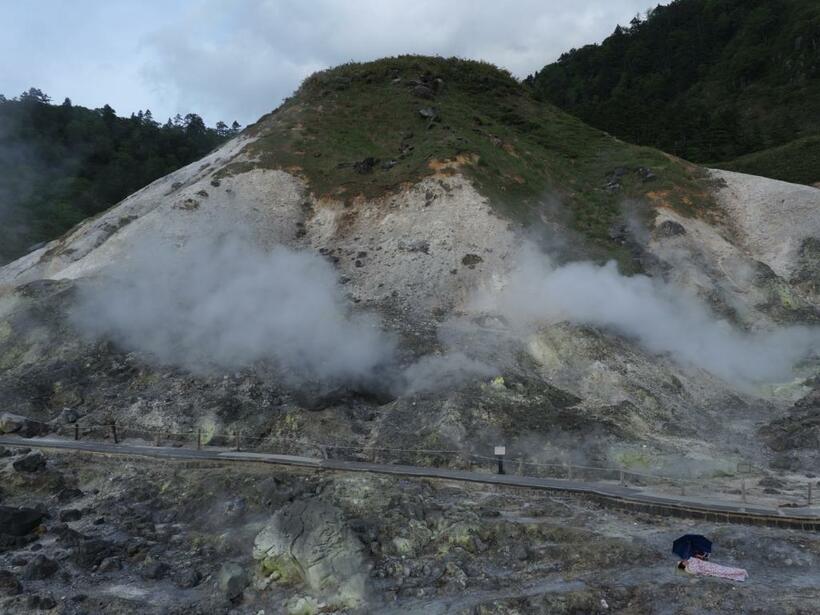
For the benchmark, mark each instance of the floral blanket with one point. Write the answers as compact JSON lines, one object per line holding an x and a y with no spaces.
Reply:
{"x":698,"y":566}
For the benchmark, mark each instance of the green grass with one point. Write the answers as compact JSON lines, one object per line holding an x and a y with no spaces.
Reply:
{"x":519,"y":152}
{"x":797,"y":162}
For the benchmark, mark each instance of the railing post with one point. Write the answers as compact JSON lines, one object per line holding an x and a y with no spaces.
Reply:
{"x":156,"y":438}
{"x":236,"y":434}
{"x":621,"y":476}
{"x":114,"y":431}
{"x":76,"y":431}
{"x":743,"y":490}
{"x":198,"y":439}
{"x":809,"y":493}
{"x":569,"y":471}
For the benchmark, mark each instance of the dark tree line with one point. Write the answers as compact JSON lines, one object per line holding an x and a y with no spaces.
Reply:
{"x":60,"y":164}
{"x":708,"y":80}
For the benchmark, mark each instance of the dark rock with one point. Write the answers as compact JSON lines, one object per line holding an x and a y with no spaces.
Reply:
{"x":70,"y":514}
{"x":365,"y":166}
{"x":389,"y":164}
{"x":421,"y":245}
{"x":33,"y":462}
{"x":215,"y":183}
{"x":40,"y":568}
{"x":9,"y":585}
{"x":646,"y":175}
{"x":19,"y":521}
{"x":156,"y":570}
{"x":68,"y":537}
{"x":471,"y":260}
{"x":92,"y":552}
{"x":41,"y":603}
{"x":786,"y":461}
{"x":68,"y":415}
{"x":4,"y":452}
{"x":68,"y":494}
{"x":99,"y":521}
{"x":422,"y":91}
{"x":669,"y":228}
{"x":189,"y":578}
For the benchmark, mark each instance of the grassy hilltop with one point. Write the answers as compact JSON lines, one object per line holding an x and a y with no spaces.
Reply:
{"x":365,"y":130}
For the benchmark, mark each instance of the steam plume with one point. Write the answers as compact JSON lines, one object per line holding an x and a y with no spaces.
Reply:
{"x":661,"y":317}
{"x":226,"y":304}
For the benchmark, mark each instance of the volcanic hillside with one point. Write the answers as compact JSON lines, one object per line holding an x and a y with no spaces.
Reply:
{"x":409,"y":253}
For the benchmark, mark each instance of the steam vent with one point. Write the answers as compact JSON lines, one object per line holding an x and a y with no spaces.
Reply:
{"x":411,"y":262}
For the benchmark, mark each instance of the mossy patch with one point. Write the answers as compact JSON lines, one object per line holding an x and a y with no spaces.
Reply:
{"x":283,"y":570}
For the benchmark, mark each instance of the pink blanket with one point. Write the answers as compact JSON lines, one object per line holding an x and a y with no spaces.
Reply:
{"x":698,"y":566}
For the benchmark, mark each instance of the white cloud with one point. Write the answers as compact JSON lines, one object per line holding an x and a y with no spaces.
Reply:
{"x":237,"y":60}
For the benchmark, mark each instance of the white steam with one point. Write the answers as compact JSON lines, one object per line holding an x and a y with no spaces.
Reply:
{"x":227,"y":304}
{"x":661,"y":317}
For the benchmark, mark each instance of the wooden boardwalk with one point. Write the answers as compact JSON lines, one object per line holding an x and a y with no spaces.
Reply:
{"x":605,"y":493}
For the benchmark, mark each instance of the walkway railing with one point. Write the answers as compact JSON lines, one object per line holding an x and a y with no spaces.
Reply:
{"x":741,"y":486}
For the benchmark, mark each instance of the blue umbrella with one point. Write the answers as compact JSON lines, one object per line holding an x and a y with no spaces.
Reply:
{"x":688,"y":545}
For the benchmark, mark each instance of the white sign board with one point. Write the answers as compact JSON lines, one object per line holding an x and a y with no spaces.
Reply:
{"x":500,"y":450}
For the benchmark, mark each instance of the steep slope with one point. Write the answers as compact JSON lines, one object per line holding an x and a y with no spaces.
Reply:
{"x":350,"y":269}
{"x":722,"y":78}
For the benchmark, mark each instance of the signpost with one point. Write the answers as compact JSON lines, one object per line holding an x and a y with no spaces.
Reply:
{"x":500,"y":451}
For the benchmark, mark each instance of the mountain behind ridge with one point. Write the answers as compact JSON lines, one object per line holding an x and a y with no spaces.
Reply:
{"x":722,"y":78}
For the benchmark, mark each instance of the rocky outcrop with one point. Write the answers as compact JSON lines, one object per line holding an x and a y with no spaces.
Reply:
{"x":308,"y":542}
{"x":21,"y":426}
{"x":19,"y":521}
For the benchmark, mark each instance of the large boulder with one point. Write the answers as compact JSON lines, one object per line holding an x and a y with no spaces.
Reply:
{"x":19,"y":521}
{"x":21,"y":425}
{"x":232,"y":580}
{"x":308,"y":541}
{"x":41,"y":567}
{"x":32,"y":462}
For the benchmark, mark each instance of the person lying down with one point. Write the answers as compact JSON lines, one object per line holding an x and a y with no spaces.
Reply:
{"x":696,"y":565}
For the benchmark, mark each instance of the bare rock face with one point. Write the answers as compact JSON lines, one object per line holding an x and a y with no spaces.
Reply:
{"x":21,"y":425}
{"x":308,"y":541}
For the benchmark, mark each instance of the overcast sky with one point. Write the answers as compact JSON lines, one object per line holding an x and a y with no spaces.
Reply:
{"x":237,"y":59}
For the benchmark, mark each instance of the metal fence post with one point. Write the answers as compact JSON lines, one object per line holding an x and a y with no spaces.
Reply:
{"x":809,"y":493}
{"x":114,"y":431}
{"x":621,"y":476}
{"x":236,"y":433}
{"x":569,"y":471}
{"x":198,"y":439}
{"x":76,"y":431}
{"x":743,"y":489}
